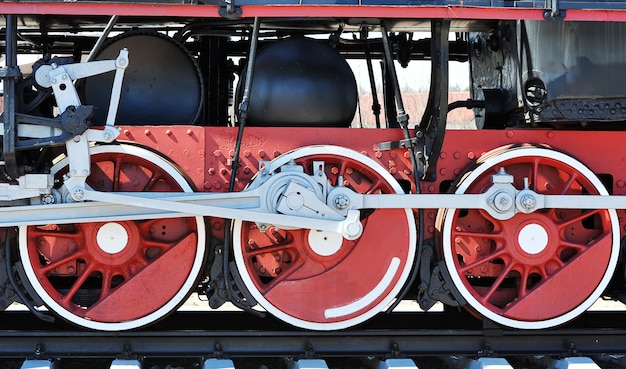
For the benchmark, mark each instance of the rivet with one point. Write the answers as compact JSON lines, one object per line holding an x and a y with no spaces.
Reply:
{"x":509,"y":134}
{"x":276,"y":153}
{"x":246,"y":153}
{"x":207,"y":185}
{"x":189,"y":132}
{"x":443,"y":171}
{"x":470,"y":155}
{"x":217,"y":153}
{"x":431,"y":189}
{"x":378,"y":154}
{"x":168,"y":132}
{"x":126,"y":132}
{"x":147,"y":132}
{"x":211,"y":171}
{"x":443,"y":155}
{"x":392,"y":170}
{"x":620,"y":184}
{"x":262,"y":153}
{"x":392,"y":154}
{"x":550,"y":134}
{"x":457,"y":155}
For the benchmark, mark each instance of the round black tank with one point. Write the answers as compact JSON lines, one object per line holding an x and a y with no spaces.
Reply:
{"x":162,"y":83}
{"x":300,"y":82}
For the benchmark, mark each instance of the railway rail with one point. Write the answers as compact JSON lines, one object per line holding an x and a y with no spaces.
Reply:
{"x":421,"y":337}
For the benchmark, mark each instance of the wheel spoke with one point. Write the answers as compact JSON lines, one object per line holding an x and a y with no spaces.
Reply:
{"x":523,"y":284}
{"x":486,"y":259}
{"x":472,"y":234}
{"x":276,"y":281}
{"x":579,"y":218}
{"x":534,"y":179}
{"x":82,"y":278}
{"x":152,"y":181}
{"x":568,"y":184}
{"x":269,"y":249}
{"x":117,"y":168}
{"x":496,"y":284}
{"x":574,"y":246}
{"x":78,"y":254}
{"x":106,"y":284}
{"x":374,"y":187}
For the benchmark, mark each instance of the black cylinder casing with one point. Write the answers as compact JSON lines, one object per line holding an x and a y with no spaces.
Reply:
{"x":301,"y":82}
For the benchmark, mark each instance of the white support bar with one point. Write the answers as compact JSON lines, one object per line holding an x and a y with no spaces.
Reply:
{"x":38,"y":364}
{"x":574,"y":363}
{"x":125,"y":364}
{"x":218,"y":364}
{"x":397,"y":364}
{"x":489,"y":363}
{"x":310,"y":364}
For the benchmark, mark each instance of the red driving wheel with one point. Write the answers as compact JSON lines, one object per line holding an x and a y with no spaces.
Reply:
{"x":533,"y":270}
{"x":317,"y":279}
{"x":120,"y":274}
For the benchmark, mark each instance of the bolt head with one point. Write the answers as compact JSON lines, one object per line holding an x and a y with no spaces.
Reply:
{"x":528,"y":201}
{"x":503,"y":201}
{"x":78,"y":194}
{"x":341,"y":202}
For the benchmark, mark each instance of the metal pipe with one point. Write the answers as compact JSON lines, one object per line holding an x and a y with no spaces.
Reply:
{"x":102,"y":38}
{"x":12,"y":72}
{"x":243,"y":114}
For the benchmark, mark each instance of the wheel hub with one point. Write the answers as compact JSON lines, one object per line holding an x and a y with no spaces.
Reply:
{"x":532,"y":238}
{"x":112,"y":238}
{"x":324,"y":243}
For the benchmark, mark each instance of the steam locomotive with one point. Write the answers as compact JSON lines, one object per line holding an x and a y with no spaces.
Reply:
{"x":154,"y":150}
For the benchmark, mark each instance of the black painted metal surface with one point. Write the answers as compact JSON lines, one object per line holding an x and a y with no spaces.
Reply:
{"x":235,"y":334}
